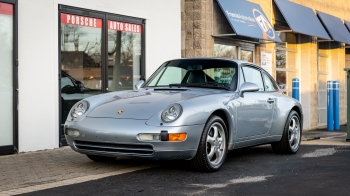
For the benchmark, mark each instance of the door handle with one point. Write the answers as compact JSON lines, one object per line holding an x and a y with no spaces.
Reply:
{"x":270,"y":100}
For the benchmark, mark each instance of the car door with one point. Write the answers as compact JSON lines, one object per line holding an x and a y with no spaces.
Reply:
{"x":255,"y":109}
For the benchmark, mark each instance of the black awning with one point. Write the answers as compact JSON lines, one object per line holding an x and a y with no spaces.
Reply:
{"x":300,"y":19}
{"x":247,"y":19}
{"x":335,"y":27}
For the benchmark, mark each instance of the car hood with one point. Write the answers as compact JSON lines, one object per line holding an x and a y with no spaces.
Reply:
{"x":143,"y":104}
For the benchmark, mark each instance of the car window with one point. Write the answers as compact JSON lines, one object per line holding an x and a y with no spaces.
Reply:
{"x":200,"y":73}
{"x":254,"y":76}
{"x":171,"y":75}
{"x":270,"y":85}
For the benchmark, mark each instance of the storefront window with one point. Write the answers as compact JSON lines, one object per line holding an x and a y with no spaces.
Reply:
{"x":286,"y":62}
{"x":81,"y":59}
{"x":124,"y":55}
{"x":81,"y":49}
{"x":225,"y":51}
{"x":247,"y":55}
{"x":323,"y":49}
{"x":6,"y":74}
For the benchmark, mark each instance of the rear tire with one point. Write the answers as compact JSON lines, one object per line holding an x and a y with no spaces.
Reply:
{"x":212,"y":149}
{"x":291,"y":137}
{"x":100,"y":158}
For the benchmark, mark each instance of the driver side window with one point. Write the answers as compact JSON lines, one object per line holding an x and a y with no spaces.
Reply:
{"x":254,"y":76}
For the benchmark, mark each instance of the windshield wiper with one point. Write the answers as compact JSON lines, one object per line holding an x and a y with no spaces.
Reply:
{"x":201,"y":85}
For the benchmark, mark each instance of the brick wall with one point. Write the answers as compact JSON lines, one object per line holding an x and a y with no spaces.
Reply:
{"x":196,"y":28}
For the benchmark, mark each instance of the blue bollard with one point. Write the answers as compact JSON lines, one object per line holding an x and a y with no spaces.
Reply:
{"x":336,"y":87}
{"x":330,"y":111}
{"x":295,"y":89}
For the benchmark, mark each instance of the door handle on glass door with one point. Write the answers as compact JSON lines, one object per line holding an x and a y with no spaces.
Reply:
{"x":270,"y":100}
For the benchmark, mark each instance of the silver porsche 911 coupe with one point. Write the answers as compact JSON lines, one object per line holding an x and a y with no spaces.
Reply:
{"x":191,"y":109}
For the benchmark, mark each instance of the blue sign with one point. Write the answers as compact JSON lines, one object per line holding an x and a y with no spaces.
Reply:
{"x":247,"y":19}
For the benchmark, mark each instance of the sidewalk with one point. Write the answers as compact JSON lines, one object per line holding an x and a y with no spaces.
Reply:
{"x":325,"y":137}
{"x":26,"y":172}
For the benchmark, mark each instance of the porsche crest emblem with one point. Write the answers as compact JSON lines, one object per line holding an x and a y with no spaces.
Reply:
{"x":120,"y":111}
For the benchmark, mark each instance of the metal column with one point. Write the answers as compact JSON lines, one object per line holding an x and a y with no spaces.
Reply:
{"x":330,"y":110}
{"x":295,"y":90}
{"x":336,"y":107}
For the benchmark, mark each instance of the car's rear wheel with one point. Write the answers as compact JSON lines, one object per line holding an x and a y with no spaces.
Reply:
{"x":100,"y":158}
{"x":290,"y":141}
{"x":212,"y":147}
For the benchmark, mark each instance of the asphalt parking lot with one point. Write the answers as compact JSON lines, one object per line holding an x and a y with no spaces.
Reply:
{"x":320,"y":167}
{"x":319,"y":170}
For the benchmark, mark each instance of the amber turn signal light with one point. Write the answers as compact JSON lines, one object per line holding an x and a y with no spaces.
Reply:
{"x":177,"y":136}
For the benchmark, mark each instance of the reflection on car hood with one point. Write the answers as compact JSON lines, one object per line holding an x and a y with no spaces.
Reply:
{"x":143,"y":104}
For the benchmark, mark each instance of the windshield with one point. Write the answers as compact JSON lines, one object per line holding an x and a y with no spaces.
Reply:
{"x":205,"y":73}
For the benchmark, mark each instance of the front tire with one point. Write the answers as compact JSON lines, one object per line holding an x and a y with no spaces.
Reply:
{"x":212,"y":149}
{"x":100,"y":158}
{"x":291,"y":137}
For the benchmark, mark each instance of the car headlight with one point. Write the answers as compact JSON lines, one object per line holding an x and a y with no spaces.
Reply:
{"x":80,"y":108}
{"x":171,"y":113}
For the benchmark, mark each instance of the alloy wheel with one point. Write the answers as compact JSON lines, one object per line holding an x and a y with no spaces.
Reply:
{"x":294,"y":133}
{"x":216,"y":144}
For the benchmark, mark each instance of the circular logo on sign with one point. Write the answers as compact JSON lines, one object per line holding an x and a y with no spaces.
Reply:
{"x":264,"y":24}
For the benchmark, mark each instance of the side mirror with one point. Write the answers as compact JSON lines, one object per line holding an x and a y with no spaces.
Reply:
{"x":248,"y":87}
{"x":139,"y":84}
{"x":80,"y":85}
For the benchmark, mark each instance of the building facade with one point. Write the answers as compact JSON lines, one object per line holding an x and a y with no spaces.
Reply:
{"x":313,"y":45}
{"x":54,"y":53}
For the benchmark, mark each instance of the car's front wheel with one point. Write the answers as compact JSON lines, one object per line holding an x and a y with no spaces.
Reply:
{"x":100,"y":158}
{"x":290,"y":141}
{"x":212,"y":147}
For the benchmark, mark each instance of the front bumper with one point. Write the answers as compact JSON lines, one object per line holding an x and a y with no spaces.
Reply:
{"x":118,"y":137}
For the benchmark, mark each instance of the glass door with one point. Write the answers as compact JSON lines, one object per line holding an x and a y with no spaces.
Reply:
{"x":81,"y":60}
{"x":7,"y":79}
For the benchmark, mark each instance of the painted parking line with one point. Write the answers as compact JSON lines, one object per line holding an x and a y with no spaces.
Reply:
{"x":248,"y":179}
{"x":72,"y":181}
{"x":320,"y":153}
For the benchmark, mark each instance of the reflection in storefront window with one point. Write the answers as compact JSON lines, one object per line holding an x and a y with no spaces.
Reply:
{"x":225,"y":51}
{"x":81,"y":49}
{"x":6,"y":74}
{"x":124,"y":55}
{"x":281,"y":77}
{"x":247,"y":55}
{"x":281,"y":59}
{"x":81,"y":59}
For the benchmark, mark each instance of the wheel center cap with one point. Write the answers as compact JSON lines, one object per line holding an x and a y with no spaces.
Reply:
{"x":216,"y":143}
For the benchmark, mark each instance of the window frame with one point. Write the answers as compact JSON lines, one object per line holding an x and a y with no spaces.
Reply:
{"x":271,"y":78}
{"x":105,"y":16}
{"x":10,"y":149}
{"x":287,"y":70}
{"x":256,"y":68}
